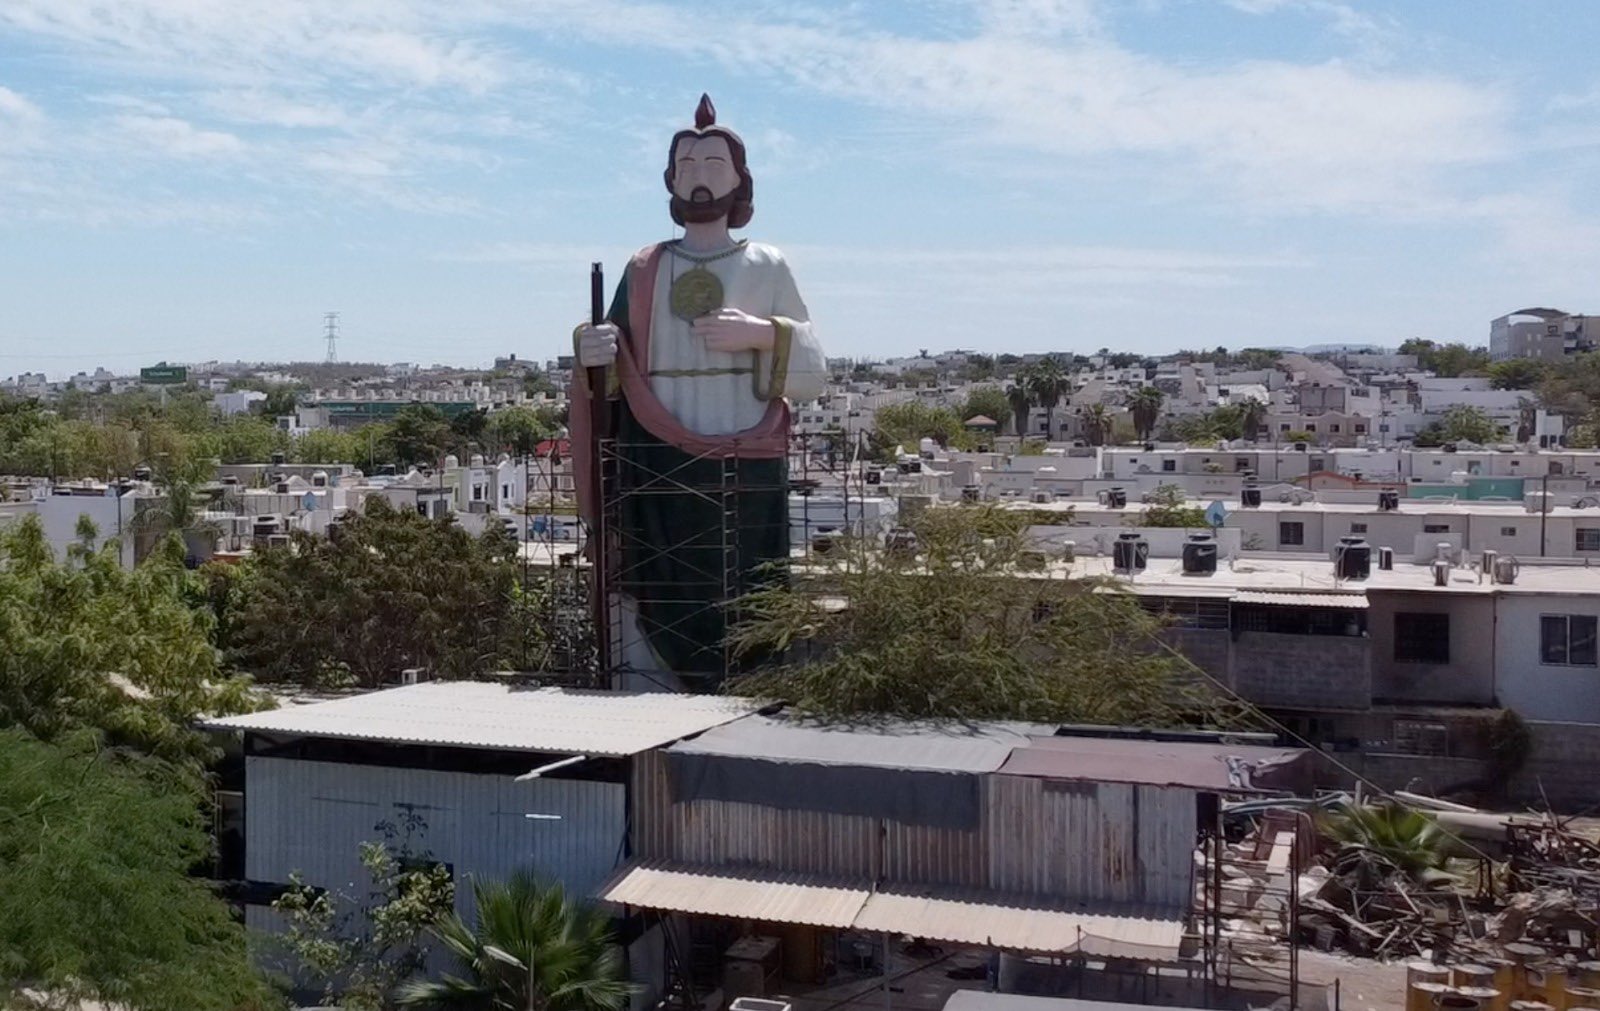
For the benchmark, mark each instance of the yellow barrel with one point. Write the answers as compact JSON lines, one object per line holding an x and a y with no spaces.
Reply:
{"x":1421,"y":996}
{"x":1589,"y":974}
{"x":1426,"y":972}
{"x":1530,"y":1005}
{"x":1471,"y":975}
{"x":1486,"y":996}
{"x":1455,"y":1000}
{"x":1505,"y":977}
{"x":1579,"y":996}
{"x":1548,"y":982}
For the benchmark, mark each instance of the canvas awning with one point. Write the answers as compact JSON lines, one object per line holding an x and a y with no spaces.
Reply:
{"x":971,"y":917}
{"x":1349,"y":601}
{"x":771,"y":898}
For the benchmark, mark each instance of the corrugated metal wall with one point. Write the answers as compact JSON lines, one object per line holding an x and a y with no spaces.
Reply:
{"x":312,"y":817}
{"x":1109,"y":842}
{"x":1096,"y":841}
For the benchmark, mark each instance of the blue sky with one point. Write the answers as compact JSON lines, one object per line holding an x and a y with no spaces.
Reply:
{"x":192,"y":179}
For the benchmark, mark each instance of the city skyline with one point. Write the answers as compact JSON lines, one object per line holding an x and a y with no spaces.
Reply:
{"x":192,"y":182}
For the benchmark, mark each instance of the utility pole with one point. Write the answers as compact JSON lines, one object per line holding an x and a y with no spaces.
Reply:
{"x":330,"y":330}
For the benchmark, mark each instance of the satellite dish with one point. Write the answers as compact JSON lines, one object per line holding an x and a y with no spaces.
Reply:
{"x":308,"y":502}
{"x":1216,"y":514}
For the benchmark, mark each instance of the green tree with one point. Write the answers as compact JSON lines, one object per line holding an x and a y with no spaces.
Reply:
{"x":98,"y":900}
{"x":86,"y":645}
{"x":532,"y":948}
{"x":245,"y":438}
{"x":1447,"y":360}
{"x":1097,"y":422}
{"x":1169,"y":507}
{"x":420,"y":434}
{"x":361,"y":948}
{"x":1465,"y":423}
{"x":520,"y":429}
{"x":1252,"y":414}
{"x":988,"y":401}
{"x":1517,"y":374}
{"x":1372,"y":841}
{"x":392,"y":591}
{"x":955,"y":628}
{"x":907,"y":424}
{"x":1047,"y":382}
{"x":1021,"y":402}
{"x":1145,"y":403}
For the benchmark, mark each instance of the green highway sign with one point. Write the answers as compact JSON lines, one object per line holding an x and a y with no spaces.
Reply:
{"x":164,"y":375}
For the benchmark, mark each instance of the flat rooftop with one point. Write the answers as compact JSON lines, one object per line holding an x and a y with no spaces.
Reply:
{"x":1314,"y":574}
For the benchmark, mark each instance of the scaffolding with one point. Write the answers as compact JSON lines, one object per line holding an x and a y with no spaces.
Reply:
{"x":715,"y":569}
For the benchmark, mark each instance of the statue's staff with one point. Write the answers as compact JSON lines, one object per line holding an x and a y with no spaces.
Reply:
{"x":600,"y":429}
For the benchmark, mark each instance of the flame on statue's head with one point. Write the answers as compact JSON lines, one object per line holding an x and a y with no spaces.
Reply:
{"x":739,"y":205}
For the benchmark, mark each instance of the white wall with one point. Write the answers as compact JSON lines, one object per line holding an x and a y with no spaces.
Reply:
{"x":1534,"y":689}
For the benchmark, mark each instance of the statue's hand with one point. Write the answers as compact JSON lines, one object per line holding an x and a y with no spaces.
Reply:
{"x":731,"y":330}
{"x":597,"y":344}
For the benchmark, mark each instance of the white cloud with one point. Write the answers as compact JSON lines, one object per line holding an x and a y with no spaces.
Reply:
{"x":17,"y":108}
{"x":176,"y":137}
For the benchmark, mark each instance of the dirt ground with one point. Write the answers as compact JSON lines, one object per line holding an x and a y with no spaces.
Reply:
{"x":1364,"y":984}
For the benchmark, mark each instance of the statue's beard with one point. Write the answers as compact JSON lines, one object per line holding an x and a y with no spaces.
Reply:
{"x":700,"y":207}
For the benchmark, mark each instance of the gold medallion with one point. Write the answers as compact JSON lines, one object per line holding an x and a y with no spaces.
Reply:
{"x":695,"y":293}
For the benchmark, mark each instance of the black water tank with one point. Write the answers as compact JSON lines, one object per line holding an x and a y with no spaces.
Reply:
{"x":1130,"y":553}
{"x":1116,"y":498}
{"x":1388,"y":500}
{"x":1352,"y":559}
{"x":1250,"y":498}
{"x":1200,"y":554}
{"x":279,"y":458}
{"x":1386,"y":559}
{"x":874,"y":476}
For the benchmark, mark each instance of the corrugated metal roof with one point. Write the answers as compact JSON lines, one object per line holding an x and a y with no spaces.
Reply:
{"x":476,"y":714}
{"x":983,"y":1000}
{"x":955,"y":916}
{"x":943,"y":747}
{"x":1345,"y":600}
{"x":1192,"y":764}
{"x":986,"y":920}
{"x":769,"y":897}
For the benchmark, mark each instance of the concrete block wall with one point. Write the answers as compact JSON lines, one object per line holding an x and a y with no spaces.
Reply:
{"x":1303,"y":671}
{"x":1565,"y":762}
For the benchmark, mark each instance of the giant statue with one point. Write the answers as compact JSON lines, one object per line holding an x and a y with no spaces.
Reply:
{"x":706,"y":342}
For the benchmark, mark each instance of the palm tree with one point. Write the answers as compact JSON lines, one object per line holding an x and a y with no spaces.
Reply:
{"x":1096,"y":424}
{"x":1373,"y":840}
{"x":1047,"y":383}
{"x":534,"y":949}
{"x":1253,"y":414}
{"x":1146,"y":405}
{"x":1021,"y":405}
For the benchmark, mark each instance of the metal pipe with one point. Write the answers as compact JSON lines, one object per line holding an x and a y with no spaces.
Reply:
{"x":553,"y":766}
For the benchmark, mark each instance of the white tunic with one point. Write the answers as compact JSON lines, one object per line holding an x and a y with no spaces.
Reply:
{"x":757,"y":280}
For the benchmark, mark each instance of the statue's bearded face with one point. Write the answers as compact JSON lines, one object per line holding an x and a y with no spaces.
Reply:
{"x":704,"y":180}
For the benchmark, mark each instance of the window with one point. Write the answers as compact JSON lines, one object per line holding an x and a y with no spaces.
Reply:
{"x":1169,"y":465}
{"x":477,"y":493}
{"x":1310,"y":427}
{"x":1241,"y":463}
{"x":1435,"y":528}
{"x":1588,"y":539}
{"x":1291,"y":533}
{"x":1358,"y":528}
{"x":1567,"y":640}
{"x":1421,"y":638}
{"x":1362,"y":429}
{"x":1284,"y":427}
{"x":1508,"y":531}
{"x":1334,"y":428}
{"x":505,"y":491}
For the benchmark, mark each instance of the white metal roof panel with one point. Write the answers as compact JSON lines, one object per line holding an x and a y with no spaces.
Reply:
{"x":925,"y":746}
{"x":772,"y":897}
{"x":477,"y":714}
{"x":986,"y":920}
{"x":1355,"y":601}
{"x":966,"y":917}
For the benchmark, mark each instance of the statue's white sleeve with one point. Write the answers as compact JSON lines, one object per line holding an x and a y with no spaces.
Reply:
{"x":807,"y":367}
